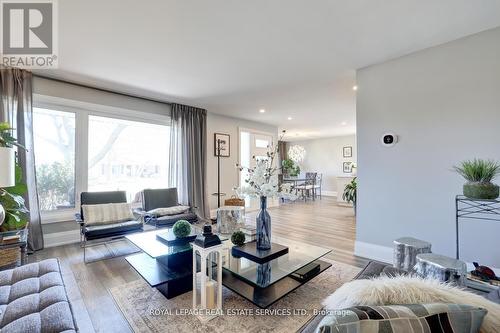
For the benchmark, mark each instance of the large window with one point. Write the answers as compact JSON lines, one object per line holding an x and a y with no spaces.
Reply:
{"x":127,"y":155}
{"x":88,"y":148}
{"x":54,"y":133}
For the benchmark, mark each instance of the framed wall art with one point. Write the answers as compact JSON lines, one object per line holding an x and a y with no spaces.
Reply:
{"x":222,"y":142}
{"x":347,"y":151}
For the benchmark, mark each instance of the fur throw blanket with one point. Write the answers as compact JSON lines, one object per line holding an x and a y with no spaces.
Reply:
{"x":410,"y":290}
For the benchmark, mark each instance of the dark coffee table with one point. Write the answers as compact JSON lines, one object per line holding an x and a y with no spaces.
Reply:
{"x":170,"y":269}
{"x":264,"y":284}
{"x":167,"y":268}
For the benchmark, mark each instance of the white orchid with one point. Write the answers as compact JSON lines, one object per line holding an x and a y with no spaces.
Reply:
{"x":262,"y":180}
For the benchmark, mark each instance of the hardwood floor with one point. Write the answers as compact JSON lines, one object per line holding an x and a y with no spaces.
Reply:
{"x":320,"y":222}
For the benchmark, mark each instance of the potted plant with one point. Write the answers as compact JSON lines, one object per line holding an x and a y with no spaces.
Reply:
{"x":290,"y":168}
{"x":11,"y":198}
{"x":7,"y":155}
{"x":13,"y":212}
{"x":350,"y":193}
{"x":479,"y":174}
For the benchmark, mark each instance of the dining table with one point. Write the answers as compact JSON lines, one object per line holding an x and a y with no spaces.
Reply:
{"x":296,"y":181}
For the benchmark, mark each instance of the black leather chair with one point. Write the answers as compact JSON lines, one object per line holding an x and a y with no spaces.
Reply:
{"x":108,"y":231}
{"x":163,"y":198}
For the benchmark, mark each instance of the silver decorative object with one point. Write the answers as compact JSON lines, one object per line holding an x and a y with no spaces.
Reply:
{"x":445,"y":269}
{"x":230,"y":219}
{"x":406,"y":250}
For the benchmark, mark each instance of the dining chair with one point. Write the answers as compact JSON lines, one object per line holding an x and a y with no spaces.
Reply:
{"x":308,"y":187}
{"x":317,"y":186}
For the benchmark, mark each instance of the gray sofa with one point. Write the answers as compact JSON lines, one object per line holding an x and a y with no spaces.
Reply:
{"x":33,"y":299}
{"x":371,"y":270}
{"x":374,"y":269}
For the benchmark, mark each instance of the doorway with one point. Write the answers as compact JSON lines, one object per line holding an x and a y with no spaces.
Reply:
{"x":256,"y":144}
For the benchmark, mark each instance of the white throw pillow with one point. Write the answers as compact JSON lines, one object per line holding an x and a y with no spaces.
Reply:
{"x":107,"y":213}
{"x":175,"y":210}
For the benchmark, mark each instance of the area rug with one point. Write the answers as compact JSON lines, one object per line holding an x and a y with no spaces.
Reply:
{"x":109,"y":250}
{"x":147,"y":310}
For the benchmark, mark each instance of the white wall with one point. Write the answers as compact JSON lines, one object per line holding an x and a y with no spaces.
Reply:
{"x":229,"y":174}
{"x":326,"y":156}
{"x":444,"y":103}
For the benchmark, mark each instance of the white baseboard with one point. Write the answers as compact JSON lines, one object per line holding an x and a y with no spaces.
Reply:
{"x":61,"y":238}
{"x":329,"y":193}
{"x":373,"y":251}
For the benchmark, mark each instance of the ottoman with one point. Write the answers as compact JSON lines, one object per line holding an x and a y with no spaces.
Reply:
{"x":33,"y":299}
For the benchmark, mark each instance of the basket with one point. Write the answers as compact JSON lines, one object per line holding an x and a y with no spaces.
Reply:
{"x":10,"y":257}
{"x":234,"y":201}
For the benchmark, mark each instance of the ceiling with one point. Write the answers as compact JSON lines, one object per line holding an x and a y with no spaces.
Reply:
{"x":292,"y":58}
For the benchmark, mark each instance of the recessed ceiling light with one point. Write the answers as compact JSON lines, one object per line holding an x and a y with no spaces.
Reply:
{"x":343,"y":123}
{"x":262,"y":111}
{"x":355,"y":88}
{"x":290,"y":118}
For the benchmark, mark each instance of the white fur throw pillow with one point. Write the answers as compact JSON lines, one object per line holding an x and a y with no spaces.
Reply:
{"x":410,"y":290}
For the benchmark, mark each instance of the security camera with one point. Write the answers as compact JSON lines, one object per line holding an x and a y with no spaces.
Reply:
{"x":389,"y":139}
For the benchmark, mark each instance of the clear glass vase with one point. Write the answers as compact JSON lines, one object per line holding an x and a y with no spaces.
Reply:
{"x":263,"y":226}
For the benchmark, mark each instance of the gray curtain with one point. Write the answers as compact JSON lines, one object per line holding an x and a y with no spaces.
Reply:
{"x":188,"y":156}
{"x":16,"y":108}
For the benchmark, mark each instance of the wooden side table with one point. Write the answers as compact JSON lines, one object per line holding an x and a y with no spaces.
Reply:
{"x":13,"y":253}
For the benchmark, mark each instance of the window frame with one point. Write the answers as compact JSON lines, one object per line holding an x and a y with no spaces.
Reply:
{"x":82,"y":111}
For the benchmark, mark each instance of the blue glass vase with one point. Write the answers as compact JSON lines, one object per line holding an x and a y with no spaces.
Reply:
{"x":264,"y":274}
{"x":263,"y":226}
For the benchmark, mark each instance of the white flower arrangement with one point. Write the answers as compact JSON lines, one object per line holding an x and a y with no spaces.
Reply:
{"x":262,"y":180}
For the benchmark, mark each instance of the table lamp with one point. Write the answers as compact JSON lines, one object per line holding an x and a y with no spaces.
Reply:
{"x":7,"y":173}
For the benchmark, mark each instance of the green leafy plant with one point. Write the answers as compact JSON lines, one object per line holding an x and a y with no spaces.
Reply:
{"x":6,"y":138}
{"x":350,"y":192}
{"x":478,"y":170}
{"x":290,"y":167}
{"x":238,"y":238}
{"x":16,"y":213}
{"x":182,"y":228}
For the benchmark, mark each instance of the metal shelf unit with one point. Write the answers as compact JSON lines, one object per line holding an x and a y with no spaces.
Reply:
{"x":478,"y":209}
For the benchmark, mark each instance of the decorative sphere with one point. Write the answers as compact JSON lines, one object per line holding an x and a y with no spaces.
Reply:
{"x":238,"y":238}
{"x":182,"y":228}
